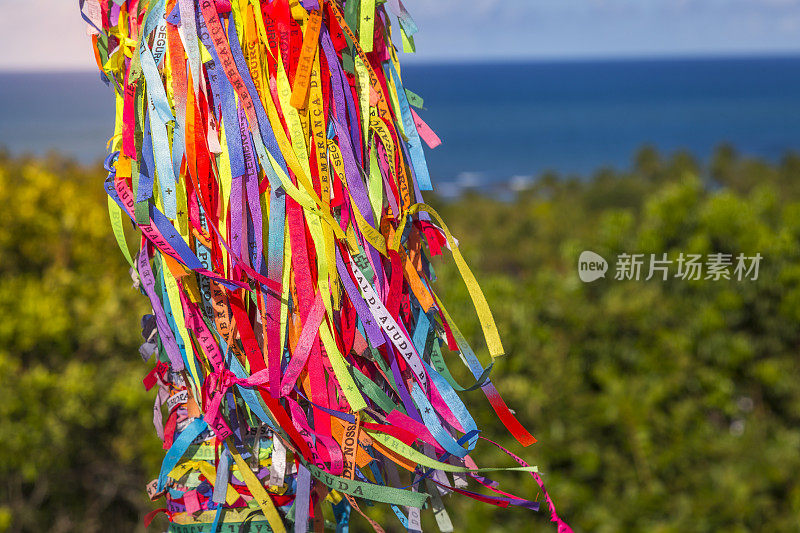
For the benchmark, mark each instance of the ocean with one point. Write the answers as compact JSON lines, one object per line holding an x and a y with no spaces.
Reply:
{"x":500,"y":122}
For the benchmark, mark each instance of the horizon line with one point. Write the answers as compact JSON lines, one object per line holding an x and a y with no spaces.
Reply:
{"x":569,"y":58}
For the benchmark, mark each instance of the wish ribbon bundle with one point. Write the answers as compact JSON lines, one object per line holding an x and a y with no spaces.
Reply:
{"x":272,"y":162}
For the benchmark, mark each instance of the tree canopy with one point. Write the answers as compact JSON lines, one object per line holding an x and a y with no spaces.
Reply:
{"x":659,"y":405}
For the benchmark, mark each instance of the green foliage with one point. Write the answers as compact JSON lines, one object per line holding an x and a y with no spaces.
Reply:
{"x":659,"y":405}
{"x":77,"y":444}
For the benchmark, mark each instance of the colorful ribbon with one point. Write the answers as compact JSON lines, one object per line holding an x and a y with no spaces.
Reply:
{"x":268,"y":153}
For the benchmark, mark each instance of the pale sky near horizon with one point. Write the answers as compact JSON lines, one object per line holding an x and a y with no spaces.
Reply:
{"x":49,"y":34}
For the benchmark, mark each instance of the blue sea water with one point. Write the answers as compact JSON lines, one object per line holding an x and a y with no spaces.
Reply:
{"x":498,"y":121}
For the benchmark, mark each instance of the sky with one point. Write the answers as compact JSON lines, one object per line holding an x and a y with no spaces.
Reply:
{"x":50,"y":35}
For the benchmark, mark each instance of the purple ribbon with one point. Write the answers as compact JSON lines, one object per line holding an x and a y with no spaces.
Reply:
{"x":149,"y":284}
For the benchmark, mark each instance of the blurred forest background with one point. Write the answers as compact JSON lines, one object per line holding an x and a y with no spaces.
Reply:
{"x":659,"y":406}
